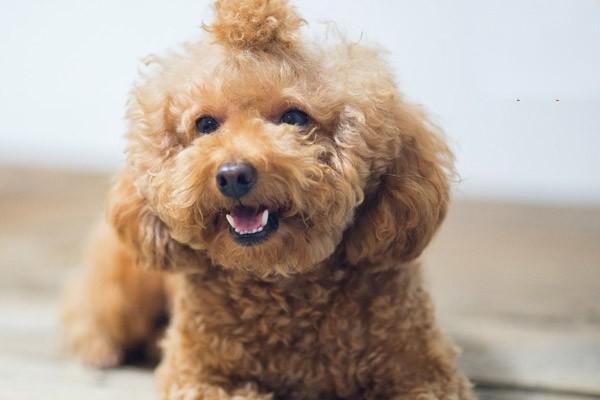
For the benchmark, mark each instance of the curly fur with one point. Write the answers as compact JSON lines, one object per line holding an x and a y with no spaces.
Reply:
{"x":332,"y":305}
{"x":254,"y":25}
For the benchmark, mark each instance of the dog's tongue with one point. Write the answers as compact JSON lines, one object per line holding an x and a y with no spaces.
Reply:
{"x":246,"y":218}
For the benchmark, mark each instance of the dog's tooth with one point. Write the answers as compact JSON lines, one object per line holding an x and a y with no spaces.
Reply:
{"x":230,"y":220}
{"x":265,"y":217}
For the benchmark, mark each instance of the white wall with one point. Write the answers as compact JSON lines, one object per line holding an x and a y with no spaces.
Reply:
{"x":66,"y":65}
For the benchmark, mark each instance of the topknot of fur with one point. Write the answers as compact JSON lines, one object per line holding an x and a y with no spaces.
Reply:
{"x":255,"y":24}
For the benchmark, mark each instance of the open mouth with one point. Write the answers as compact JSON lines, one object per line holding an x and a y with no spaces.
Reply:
{"x":250,"y":226}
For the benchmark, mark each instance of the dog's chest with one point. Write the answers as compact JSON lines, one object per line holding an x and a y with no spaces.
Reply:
{"x":289,"y":339}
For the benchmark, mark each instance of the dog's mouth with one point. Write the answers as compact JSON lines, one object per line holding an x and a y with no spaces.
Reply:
{"x":250,"y":226}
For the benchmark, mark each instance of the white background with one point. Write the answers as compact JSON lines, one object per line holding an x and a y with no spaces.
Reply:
{"x":66,"y":66}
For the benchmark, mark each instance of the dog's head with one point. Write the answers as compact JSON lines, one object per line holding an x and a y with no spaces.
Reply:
{"x":258,"y":151}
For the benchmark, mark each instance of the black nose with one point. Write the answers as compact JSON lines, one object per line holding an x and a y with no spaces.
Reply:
{"x":236,"y":179}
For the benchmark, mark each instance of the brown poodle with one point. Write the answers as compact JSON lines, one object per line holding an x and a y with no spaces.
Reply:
{"x":289,"y":188}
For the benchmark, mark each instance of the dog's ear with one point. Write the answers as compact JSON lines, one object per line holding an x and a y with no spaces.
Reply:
{"x":145,"y":234}
{"x":409,"y":199}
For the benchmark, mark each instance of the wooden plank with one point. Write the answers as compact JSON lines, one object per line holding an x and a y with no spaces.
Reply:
{"x":492,"y":393}
{"x":551,"y":358}
{"x":33,"y":364}
{"x":44,"y":219}
{"x":26,"y":380}
{"x":518,"y":286}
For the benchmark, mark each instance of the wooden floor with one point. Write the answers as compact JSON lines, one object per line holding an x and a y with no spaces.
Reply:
{"x":517,"y":286}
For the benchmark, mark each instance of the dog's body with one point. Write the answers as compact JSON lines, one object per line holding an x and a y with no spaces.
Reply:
{"x":289,"y":189}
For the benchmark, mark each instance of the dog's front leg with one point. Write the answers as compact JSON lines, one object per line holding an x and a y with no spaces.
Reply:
{"x":442,"y":385}
{"x":174,"y":385}
{"x":201,"y":391}
{"x":182,"y":378}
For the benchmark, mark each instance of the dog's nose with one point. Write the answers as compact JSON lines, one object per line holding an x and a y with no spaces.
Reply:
{"x":236,"y":179}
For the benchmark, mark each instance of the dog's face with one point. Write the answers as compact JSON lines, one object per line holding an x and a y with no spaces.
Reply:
{"x":245,"y":159}
{"x":267,"y":155}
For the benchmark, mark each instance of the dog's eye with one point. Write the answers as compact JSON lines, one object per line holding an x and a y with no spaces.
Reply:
{"x":294,"y":117}
{"x":206,"y":124}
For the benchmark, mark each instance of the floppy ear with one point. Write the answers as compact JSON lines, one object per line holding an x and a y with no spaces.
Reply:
{"x":400,"y":215}
{"x":145,"y":234}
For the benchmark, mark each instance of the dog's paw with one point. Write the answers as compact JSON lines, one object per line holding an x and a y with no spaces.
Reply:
{"x":90,"y":343}
{"x":99,"y":352}
{"x":95,"y":349}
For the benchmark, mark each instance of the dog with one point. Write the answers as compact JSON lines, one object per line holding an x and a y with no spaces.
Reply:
{"x":276,"y":195}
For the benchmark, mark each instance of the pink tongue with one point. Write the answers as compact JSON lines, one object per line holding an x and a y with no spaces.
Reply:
{"x":246,"y":219}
